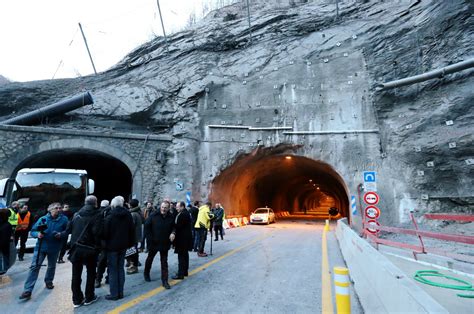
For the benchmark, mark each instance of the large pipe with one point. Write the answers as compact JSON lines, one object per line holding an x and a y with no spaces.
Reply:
{"x":428,"y":75}
{"x":60,"y":107}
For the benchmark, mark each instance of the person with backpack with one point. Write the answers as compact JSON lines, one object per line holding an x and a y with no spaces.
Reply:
{"x":85,"y":243}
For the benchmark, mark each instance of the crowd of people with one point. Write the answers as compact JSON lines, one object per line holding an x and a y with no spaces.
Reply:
{"x":107,"y":239}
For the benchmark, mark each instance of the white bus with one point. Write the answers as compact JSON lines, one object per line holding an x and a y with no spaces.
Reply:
{"x":39,"y":187}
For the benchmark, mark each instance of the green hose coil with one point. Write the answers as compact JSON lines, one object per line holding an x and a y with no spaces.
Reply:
{"x":466,"y":286}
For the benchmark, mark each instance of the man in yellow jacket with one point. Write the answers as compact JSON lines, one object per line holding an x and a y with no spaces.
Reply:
{"x":203,"y":223}
{"x":13,"y":218}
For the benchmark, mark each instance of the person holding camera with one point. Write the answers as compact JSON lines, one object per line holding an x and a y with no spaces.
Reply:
{"x":49,"y":231}
{"x":85,"y":230}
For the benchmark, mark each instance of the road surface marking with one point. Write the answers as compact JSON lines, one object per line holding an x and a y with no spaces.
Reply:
{"x":155,"y":291}
{"x":327,"y":306}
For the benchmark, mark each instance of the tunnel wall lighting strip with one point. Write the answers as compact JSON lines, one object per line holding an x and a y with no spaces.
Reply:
{"x":329,"y":132}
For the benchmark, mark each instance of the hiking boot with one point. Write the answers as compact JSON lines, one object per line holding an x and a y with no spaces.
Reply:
{"x":202,"y":254}
{"x":166,"y":285}
{"x":49,"y":285}
{"x":177,"y":277}
{"x":98,"y":283}
{"x":26,"y":295}
{"x":60,"y":261}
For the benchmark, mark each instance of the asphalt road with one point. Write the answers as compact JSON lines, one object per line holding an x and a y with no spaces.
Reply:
{"x":256,"y":269}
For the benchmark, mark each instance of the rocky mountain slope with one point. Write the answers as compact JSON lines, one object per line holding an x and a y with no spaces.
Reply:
{"x":426,"y":129}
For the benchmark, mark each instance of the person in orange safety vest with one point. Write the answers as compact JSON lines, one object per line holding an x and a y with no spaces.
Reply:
{"x":25,"y":222}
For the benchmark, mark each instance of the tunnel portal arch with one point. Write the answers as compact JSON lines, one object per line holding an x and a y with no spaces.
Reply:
{"x":283,"y":182}
{"x":115,"y":172}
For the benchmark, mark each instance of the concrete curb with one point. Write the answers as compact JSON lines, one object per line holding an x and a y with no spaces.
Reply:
{"x":381,"y":286}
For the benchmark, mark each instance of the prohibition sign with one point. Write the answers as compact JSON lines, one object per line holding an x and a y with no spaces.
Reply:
{"x":372,"y":212}
{"x":371,"y":198}
{"x":371,"y":226}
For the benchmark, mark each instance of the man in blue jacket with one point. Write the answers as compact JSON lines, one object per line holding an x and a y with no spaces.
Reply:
{"x":48,"y":230}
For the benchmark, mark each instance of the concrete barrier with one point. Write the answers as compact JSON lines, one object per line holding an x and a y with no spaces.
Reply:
{"x":236,"y":222}
{"x":381,"y":286}
{"x":225,"y":224}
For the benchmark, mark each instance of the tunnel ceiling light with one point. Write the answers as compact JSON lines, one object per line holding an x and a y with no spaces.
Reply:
{"x":310,"y":180}
{"x":288,"y":157}
{"x":317,"y":188}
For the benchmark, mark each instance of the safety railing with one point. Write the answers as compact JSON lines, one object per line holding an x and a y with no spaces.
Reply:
{"x":421,"y":247}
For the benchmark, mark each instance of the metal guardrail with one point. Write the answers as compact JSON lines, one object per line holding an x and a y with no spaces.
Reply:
{"x":421,"y":248}
{"x":455,"y":217}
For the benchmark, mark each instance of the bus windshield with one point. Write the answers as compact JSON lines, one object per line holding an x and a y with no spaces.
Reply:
{"x":41,"y":189}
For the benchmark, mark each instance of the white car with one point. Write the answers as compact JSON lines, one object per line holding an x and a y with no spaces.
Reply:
{"x":263,"y":215}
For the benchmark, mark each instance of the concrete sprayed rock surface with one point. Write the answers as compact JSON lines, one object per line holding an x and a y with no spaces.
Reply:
{"x":306,"y":69}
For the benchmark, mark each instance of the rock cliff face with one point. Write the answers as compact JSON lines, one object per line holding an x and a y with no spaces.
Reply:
{"x":299,"y":66}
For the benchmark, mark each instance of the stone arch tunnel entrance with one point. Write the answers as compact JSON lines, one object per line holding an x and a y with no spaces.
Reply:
{"x":283,"y":182}
{"x":112,"y":177}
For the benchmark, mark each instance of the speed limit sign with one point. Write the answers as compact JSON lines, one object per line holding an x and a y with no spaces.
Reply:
{"x":372,"y":212}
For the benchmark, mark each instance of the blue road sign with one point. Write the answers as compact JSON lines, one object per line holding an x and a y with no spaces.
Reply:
{"x":369,"y":176}
{"x":353,"y":205}
{"x":179,"y":186}
{"x":188,"y":198}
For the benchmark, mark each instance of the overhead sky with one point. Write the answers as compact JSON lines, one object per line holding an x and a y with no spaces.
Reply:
{"x":40,"y":39}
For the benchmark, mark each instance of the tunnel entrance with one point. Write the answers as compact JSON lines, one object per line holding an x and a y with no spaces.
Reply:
{"x":112,"y":177}
{"x":283,"y":182}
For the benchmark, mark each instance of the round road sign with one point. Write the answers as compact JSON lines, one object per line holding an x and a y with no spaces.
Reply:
{"x":372,"y":226}
{"x":372,"y":212}
{"x":371,"y":198}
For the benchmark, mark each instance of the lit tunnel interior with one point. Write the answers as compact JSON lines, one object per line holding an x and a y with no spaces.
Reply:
{"x":112,"y":177}
{"x":282,"y":182}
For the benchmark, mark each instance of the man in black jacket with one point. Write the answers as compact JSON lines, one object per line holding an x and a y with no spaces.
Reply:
{"x":183,"y":242}
{"x":159,"y":230}
{"x":85,"y":240}
{"x":119,"y":235}
{"x":194,"y":211}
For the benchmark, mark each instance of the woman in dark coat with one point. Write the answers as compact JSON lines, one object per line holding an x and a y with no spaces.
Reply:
{"x":183,"y":242}
{"x":6,"y":232}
